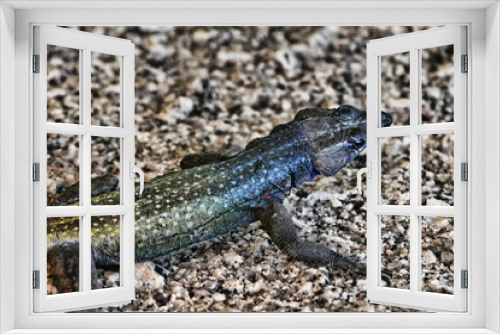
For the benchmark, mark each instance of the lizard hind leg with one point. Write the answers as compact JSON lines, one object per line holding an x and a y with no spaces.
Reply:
{"x":278,"y":224}
{"x":100,"y":185}
{"x":195,"y":160}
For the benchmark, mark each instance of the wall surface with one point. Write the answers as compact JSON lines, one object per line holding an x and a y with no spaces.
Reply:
{"x":216,"y":17}
{"x":492,"y":163}
{"x":7,"y":40}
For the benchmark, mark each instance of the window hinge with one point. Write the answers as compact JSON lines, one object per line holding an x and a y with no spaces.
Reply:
{"x":36,"y":63}
{"x":465,"y":64}
{"x":36,"y":279}
{"x":464,"y":172}
{"x":465,"y":279}
{"x":36,"y":172}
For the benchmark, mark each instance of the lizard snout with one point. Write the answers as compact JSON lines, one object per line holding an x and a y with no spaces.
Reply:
{"x":386,"y":119}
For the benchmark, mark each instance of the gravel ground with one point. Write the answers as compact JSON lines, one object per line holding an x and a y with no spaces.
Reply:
{"x":204,"y":89}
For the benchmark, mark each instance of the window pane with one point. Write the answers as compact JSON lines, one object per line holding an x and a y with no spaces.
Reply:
{"x":105,"y":85}
{"x":395,"y":251}
{"x":63,"y":165}
{"x":437,"y":84}
{"x":437,"y":254}
{"x":395,"y":87}
{"x":105,"y":246}
{"x":437,"y":169}
{"x":395,"y":170}
{"x":63,"y":255}
{"x":105,"y":171}
{"x":63,"y":84}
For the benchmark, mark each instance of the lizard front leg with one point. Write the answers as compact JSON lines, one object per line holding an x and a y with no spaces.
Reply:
{"x":278,"y":224}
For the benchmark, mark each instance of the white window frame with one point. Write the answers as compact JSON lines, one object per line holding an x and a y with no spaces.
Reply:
{"x":484,"y":103}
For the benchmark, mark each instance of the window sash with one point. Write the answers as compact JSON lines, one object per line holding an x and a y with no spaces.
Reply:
{"x":413,"y":43}
{"x":86,"y":43}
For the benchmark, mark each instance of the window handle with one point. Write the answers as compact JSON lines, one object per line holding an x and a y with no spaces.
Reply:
{"x":368,"y":171}
{"x":139,"y":171}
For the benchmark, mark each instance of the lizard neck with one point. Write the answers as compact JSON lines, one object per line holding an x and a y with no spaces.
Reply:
{"x":285,"y":156}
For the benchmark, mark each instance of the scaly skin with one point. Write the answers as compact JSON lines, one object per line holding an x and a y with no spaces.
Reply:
{"x":190,"y":206}
{"x":194,"y":205}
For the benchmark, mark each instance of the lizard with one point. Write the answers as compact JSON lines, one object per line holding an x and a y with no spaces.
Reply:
{"x":214,"y":194}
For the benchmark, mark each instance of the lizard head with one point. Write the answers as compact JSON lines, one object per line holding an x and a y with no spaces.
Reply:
{"x":337,"y":135}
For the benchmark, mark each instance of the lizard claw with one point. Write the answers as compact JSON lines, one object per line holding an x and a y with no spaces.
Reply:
{"x":351,"y":264}
{"x":357,"y":268}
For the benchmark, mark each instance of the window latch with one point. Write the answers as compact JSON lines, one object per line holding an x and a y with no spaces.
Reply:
{"x":137,"y":170}
{"x":368,"y":171}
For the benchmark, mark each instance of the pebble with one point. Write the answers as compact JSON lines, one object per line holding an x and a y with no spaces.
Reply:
{"x":210,"y":285}
{"x":306,"y":288}
{"x":219,"y":297}
{"x":256,"y":287}
{"x":447,"y":257}
{"x":428,"y":257}
{"x":233,"y":259}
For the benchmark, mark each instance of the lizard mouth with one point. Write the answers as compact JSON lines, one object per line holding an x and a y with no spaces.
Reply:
{"x":357,"y":134}
{"x":357,"y":139}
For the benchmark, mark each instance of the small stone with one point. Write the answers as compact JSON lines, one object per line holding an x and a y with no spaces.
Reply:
{"x":404,"y":252}
{"x":256,"y":287}
{"x":210,"y":285}
{"x":428,"y":257}
{"x":218,"y":274}
{"x":200,"y":293}
{"x":269,"y":275}
{"x":306,"y":288}
{"x":329,"y":295}
{"x":233,"y":259}
{"x":447,"y":257}
{"x":219,"y":297}
{"x":435,"y":202}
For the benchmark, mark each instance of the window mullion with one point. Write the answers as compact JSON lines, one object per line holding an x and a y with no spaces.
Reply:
{"x":436,"y":128}
{"x":85,"y":165}
{"x":414,"y":171}
{"x":85,"y":253}
{"x":420,"y":210}
{"x":81,"y":240}
{"x":127,"y":270}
